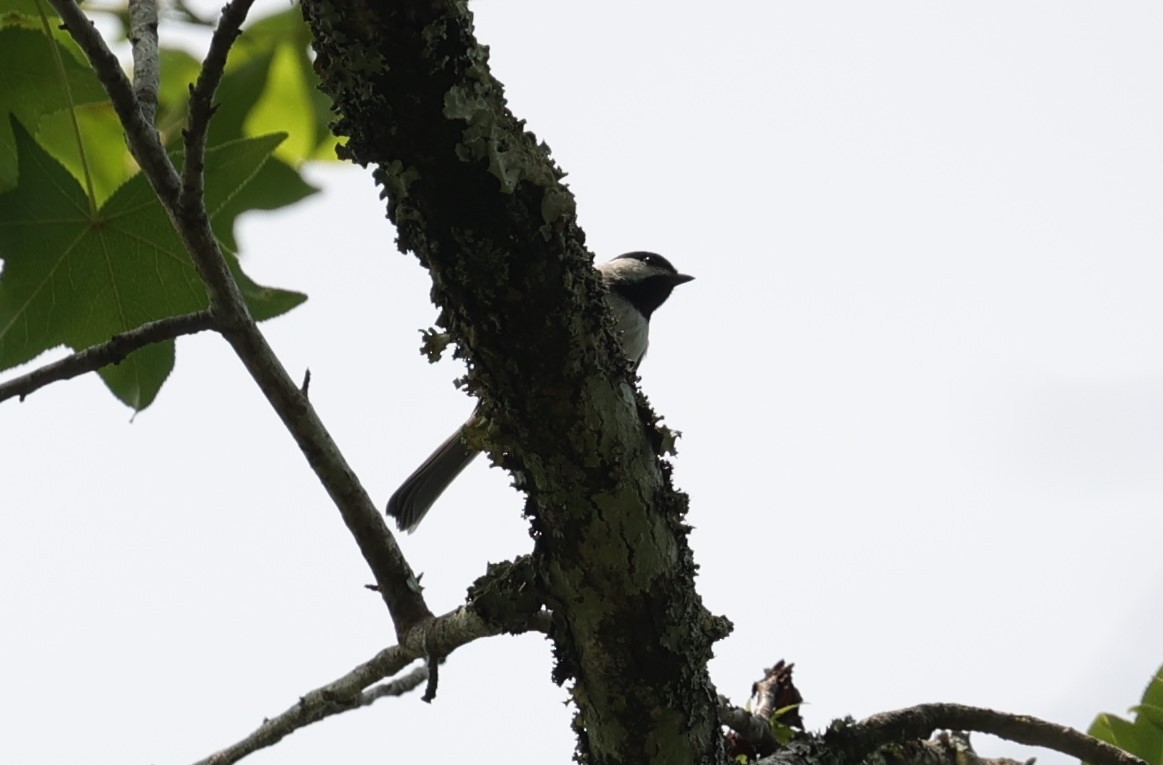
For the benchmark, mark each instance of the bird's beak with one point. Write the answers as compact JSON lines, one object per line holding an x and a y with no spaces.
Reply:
{"x":681,"y":279}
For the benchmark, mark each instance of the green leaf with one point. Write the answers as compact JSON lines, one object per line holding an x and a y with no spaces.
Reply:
{"x":275,"y":185}
{"x":783,"y":732}
{"x":1153,"y":696}
{"x":31,"y":87}
{"x":292,"y":100}
{"x":110,"y":163}
{"x":179,"y":71}
{"x":239,"y":91}
{"x":290,"y":86}
{"x":72,"y":278}
{"x":1152,"y":713}
{"x":1144,"y":735}
{"x":269,"y":86}
{"x":23,"y":8}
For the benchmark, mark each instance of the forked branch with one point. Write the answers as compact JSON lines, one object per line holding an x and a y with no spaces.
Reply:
{"x":186,"y":207}
{"x":358,"y":688}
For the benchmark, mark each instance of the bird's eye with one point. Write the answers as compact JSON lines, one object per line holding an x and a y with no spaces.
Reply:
{"x":648,"y":259}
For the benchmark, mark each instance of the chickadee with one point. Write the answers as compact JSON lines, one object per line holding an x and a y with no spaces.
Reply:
{"x":637,"y":284}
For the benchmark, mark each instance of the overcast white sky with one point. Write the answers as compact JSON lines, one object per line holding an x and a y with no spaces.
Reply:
{"x":919,"y":378}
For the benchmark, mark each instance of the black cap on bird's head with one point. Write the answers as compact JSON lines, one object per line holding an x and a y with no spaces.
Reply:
{"x":643,"y":278}
{"x":655,"y":262}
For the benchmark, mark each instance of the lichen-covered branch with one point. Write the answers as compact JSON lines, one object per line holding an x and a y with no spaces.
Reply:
{"x":943,"y":749}
{"x":858,"y":739}
{"x":479,"y":202}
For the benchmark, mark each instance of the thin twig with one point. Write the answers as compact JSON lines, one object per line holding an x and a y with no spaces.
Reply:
{"x":444,"y":633}
{"x":202,"y":98}
{"x":146,"y":61}
{"x":112,"y":351}
{"x":863,"y":737}
{"x":339,"y":696}
{"x":397,"y":687}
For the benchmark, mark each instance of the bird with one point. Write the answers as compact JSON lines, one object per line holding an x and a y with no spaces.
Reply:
{"x":637,"y":283}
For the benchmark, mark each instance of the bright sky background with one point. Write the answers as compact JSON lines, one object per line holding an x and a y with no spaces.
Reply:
{"x":919,"y":378}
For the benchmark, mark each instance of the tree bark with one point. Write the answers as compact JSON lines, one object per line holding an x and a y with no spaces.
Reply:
{"x":480,"y":203}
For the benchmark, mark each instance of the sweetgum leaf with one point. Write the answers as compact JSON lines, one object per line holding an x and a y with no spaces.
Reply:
{"x":291,"y":100}
{"x":73,"y":278}
{"x":239,"y":91}
{"x":30,"y":87}
{"x":270,"y":85}
{"x":1142,"y":736}
{"x":108,"y":159}
{"x":24,"y":8}
{"x":275,"y":185}
{"x":180,"y":72}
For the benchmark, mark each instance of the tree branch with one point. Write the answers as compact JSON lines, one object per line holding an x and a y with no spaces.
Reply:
{"x":943,"y":749}
{"x":861,"y":738}
{"x":146,"y":61}
{"x":140,"y":133}
{"x":440,"y":636}
{"x":341,"y":695}
{"x":397,"y":687}
{"x":202,"y":98}
{"x":754,"y":730}
{"x":396,"y":583}
{"x":478,"y":200}
{"x":113,"y":351}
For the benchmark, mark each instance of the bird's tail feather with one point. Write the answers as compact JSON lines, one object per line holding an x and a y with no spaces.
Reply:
{"x":420,"y":490}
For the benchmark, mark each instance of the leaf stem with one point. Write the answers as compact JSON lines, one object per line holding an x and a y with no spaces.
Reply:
{"x":60,"y":64}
